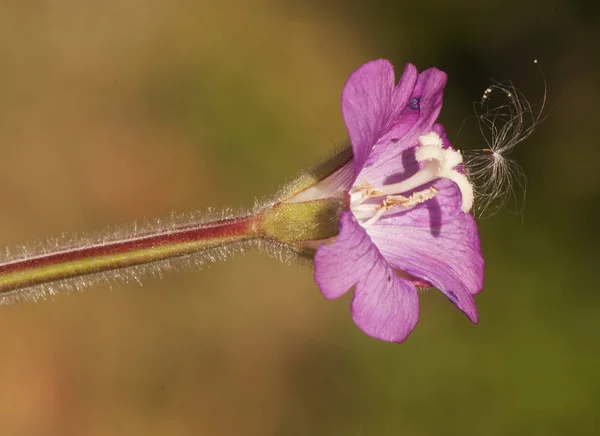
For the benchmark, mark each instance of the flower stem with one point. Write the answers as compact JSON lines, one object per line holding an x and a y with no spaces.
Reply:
{"x":112,"y":255}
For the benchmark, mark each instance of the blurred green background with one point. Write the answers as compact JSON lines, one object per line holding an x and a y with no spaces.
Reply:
{"x":115,"y":110}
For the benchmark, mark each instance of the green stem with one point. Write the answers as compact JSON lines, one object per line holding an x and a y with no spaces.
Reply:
{"x":129,"y":252}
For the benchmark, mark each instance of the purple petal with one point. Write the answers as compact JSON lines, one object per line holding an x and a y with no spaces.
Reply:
{"x":435,"y":241}
{"x":439,"y":129}
{"x":384,"y":306}
{"x":393,"y":138}
{"x":341,"y":265}
{"x":428,"y":92}
{"x":372,"y":105}
{"x":436,"y":248}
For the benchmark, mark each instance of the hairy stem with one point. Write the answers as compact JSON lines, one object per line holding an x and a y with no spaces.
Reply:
{"x":123,"y":253}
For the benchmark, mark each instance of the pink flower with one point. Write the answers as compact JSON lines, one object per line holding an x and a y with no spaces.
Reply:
{"x":408,"y":220}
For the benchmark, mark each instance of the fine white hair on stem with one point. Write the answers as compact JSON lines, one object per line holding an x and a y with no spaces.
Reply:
{"x":128,"y":275}
{"x":132,"y":274}
{"x":135,"y":273}
{"x":506,"y":118}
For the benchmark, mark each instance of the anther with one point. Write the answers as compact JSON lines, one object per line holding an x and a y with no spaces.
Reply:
{"x":395,"y":201}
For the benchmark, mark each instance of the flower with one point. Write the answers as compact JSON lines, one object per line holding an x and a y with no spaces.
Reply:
{"x":407,"y":222}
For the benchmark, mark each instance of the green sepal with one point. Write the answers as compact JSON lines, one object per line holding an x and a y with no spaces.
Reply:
{"x":295,"y":223}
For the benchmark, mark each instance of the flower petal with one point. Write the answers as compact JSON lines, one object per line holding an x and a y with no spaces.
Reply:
{"x":442,"y":251}
{"x":428,"y":92}
{"x":372,"y":104}
{"x":384,"y":306}
{"x":341,"y":265}
{"x":439,"y":129}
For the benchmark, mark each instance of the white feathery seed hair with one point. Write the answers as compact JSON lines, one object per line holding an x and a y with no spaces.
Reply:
{"x":506,"y":118}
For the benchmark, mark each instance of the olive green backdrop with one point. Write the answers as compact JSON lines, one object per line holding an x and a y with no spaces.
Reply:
{"x":115,"y":110}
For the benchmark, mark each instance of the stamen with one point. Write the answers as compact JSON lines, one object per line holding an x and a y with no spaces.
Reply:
{"x":362,"y":187}
{"x":361,"y":193}
{"x":375,"y":217}
{"x":394,"y":201}
{"x":439,"y":163}
{"x":420,"y":197}
{"x":372,"y":193}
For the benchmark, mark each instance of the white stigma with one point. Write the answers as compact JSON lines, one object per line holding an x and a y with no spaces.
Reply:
{"x":439,"y":163}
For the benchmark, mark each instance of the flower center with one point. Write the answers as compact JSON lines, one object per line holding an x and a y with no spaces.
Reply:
{"x":369,"y":203}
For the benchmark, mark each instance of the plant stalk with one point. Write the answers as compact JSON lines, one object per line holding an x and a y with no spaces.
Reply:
{"x":128,"y":252}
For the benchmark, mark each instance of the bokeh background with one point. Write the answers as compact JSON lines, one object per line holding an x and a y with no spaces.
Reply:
{"x":115,"y":110}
